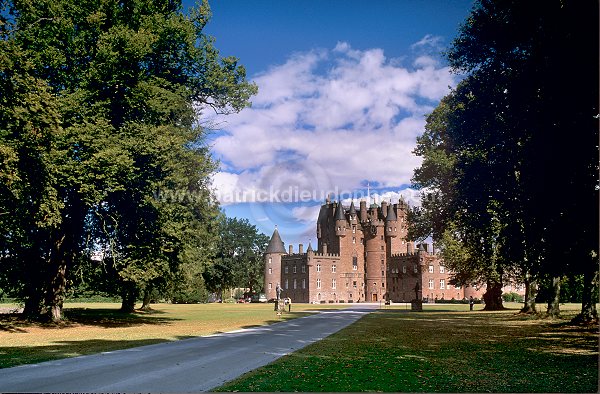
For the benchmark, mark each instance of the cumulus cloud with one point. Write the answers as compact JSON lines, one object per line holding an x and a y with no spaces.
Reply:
{"x":325,"y":121}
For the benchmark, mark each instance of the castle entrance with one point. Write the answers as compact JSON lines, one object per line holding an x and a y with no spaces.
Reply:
{"x":374,"y":297}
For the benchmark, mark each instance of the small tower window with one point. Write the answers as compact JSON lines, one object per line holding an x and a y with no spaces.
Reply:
{"x":270,"y":270}
{"x":285,"y":269}
{"x":270,"y":260}
{"x":333,"y":267}
{"x":294,"y":270}
{"x":303,"y":268}
{"x":318,"y":283}
{"x":318,"y":267}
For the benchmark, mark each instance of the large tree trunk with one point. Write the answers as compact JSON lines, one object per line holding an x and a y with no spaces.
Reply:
{"x":147,"y":298}
{"x":554,"y":301}
{"x":588,"y":305}
{"x":530,"y":293}
{"x":57,"y":281}
{"x":493,"y":297}
{"x":129,"y":295}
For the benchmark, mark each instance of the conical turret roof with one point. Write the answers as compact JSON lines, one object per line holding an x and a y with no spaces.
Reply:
{"x":310,"y":249}
{"x":391,"y":214}
{"x":352,"y":209}
{"x":339,"y":213}
{"x":275,"y":244}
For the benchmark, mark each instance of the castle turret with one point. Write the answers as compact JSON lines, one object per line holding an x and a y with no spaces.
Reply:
{"x":273,"y":254}
{"x":352,"y":214}
{"x":340,"y":221}
{"x":391,"y":222}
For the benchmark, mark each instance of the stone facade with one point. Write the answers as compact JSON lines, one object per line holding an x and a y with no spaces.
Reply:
{"x":362,"y":256}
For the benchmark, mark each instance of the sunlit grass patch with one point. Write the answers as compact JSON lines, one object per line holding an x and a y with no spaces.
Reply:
{"x":434,"y":351}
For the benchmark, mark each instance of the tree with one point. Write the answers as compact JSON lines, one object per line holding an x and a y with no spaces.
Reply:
{"x":238,"y":261}
{"x":123,"y":85}
{"x":504,"y":128}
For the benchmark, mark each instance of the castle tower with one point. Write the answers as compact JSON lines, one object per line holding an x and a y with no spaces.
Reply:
{"x":391,"y":222}
{"x":375,"y":256}
{"x":340,"y":221}
{"x":272,"y":257}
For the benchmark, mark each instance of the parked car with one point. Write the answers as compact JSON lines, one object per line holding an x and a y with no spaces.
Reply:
{"x":259,"y":298}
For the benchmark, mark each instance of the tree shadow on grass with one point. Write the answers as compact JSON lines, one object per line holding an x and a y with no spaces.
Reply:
{"x":19,"y":355}
{"x":106,"y":318}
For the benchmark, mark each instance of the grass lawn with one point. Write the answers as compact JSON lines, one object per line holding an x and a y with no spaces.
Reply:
{"x":99,"y":327}
{"x":443,"y":349}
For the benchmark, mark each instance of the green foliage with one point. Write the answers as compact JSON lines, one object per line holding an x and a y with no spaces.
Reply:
{"x":97,"y":125}
{"x":238,"y":261}
{"x":490,"y":171}
{"x":512,"y":297}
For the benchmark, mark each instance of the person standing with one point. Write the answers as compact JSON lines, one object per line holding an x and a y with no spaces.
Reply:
{"x":471,"y":303}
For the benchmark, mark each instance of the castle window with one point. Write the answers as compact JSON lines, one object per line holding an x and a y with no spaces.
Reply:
{"x":295,"y":284}
{"x":403,"y":269}
{"x":347,"y":285}
{"x":270,"y":260}
{"x":353,"y":240}
{"x":333,"y":267}
{"x":353,"y":229}
{"x":382,"y":240}
{"x":270,"y":286}
{"x":382,"y":284}
{"x":333,"y":283}
{"x":270,"y":270}
{"x":339,"y":229}
{"x":381,"y":247}
{"x":431,"y":283}
{"x":389,"y":228}
{"x":354,"y":263}
{"x":457,"y":287}
{"x":294,"y":269}
{"x":303,"y":268}
{"x":318,"y":267}
{"x":382,"y":273}
{"x":415,"y":268}
{"x":318,"y":283}
{"x":442,"y":284}
{"x":286,"y":284}
{"x":354,"y":284}
{"x":442,"y":269}
{"x":304,"y":283}
{"x":285,"y":269}
{"x":431,"y":269}
{"x":394,"y":228}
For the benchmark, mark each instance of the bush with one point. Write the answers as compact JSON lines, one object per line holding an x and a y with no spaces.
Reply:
{"x":512,"y":297}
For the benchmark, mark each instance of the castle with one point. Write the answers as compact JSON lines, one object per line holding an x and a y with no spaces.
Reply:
{"x":362,"y":256}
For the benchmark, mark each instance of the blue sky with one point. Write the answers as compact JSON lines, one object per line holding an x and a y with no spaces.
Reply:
{"x":344,"y":87}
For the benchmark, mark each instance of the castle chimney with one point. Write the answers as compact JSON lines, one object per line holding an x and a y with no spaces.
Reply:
{"x":384,"y":209}
{"x":291,"y":248}
{"x":410,"y":248}
{"x":300,"y":248}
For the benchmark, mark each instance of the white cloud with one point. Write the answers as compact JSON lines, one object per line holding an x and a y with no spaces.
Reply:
{"x":326,"y":120}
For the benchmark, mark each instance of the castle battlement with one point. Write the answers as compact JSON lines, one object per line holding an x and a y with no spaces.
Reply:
{"x":404,"y":254}
{"x":317,"y":254}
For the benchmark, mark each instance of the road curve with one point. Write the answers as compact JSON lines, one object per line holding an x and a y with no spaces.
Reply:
{"x":189,"y":365}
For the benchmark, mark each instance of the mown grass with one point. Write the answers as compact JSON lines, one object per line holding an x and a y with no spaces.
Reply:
{"x":443,"y":349}
{"x":99,"y":327}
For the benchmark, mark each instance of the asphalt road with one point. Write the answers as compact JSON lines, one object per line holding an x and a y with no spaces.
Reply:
{"x":189,"y":365}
